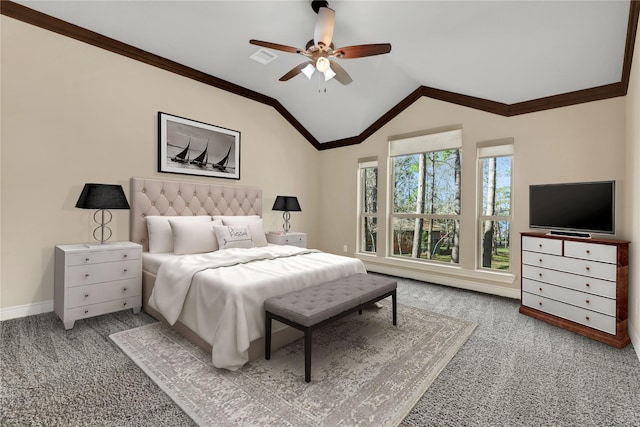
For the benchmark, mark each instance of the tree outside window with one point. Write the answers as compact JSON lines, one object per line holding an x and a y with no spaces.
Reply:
{"x":368,"y":206}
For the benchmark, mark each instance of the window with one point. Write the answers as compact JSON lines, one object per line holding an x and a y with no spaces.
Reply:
{"x":495,"y":162}
{"x":425,"y":216}
{"x":368,"y":206}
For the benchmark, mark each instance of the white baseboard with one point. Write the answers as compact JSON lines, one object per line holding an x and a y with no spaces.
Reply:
{"x":635,"y":339}
{"x":26,"y":310}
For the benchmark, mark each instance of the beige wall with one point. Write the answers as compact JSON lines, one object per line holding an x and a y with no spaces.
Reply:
{"x":73,"y":113}
{"x":632,"y":199}
{"x":578,"y":143}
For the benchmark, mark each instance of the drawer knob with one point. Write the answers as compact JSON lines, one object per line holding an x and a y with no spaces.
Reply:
{"x":588,"y":285}
{"x":87,"y":259}
{"x":586,"y":317}
{"x":86,"y":295}
{"x":86,"y":274}
{"x":124,"y":303}
{"x":540,"y":303}
{"x":86,"y":311}
{"x":124,"y":289}
{"x":125,"y":270}
{"x":540,"y":245}
{"x":588,"y":268}
{"x":540,"y":289}
{"x":540,"y":274}
{"x":125,"y":255}
{"x":588,"y":251}
{"x":540,"y":260}
{"x":588,"y":302}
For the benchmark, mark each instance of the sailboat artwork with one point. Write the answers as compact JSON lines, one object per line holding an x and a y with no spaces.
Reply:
{"x":202,"y":159}
{"x":221,"y":165}
{"x":183,"y":156}
{"x":189,"y":147}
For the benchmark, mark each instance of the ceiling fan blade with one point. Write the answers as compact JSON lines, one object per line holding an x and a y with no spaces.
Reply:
{"x":294,"y":71}
{"x":341,"y":75}
{"x":362,"y":50}
{"x":323,"y":32}
{"x":275,"y":46}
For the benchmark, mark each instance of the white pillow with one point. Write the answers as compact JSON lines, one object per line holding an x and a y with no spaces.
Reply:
{"x":233,"y":236}
{"x":193,"y":237}
{"x":159,"y":230}
{"x":255,"y":227}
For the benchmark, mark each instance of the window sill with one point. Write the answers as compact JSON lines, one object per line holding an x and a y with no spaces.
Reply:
{"x":493,"y":282}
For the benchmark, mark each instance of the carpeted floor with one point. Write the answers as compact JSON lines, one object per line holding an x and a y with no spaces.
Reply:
{"x":513,"y":371}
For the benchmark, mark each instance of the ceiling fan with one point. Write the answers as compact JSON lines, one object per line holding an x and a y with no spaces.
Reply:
{"x":320,"y":51}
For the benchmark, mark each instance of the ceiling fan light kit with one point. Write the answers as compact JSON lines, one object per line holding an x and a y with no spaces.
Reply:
{"x":320,"y":51}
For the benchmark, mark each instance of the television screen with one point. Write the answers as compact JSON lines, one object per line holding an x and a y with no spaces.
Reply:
{"x":583,"y":207}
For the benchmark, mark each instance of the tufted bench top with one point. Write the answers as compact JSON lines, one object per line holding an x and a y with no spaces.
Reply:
{"x":312,"y":305}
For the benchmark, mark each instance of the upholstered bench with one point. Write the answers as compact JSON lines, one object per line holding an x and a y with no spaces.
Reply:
{"x":316,"y":306}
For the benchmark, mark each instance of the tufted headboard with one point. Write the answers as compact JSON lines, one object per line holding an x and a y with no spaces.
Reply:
{"x":159,"y":197}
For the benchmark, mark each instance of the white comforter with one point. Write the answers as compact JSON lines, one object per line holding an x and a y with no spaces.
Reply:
{"x":227,"y":289}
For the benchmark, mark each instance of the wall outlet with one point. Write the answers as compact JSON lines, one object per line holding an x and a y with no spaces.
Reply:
{"x":345,"y":248}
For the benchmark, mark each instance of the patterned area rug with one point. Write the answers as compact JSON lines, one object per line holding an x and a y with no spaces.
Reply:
{"x":365,"y":371}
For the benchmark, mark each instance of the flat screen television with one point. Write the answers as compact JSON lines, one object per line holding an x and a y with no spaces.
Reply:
{"x":577,"y":209}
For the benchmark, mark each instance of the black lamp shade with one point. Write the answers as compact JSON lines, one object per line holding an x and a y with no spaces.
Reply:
{"x":286,"y":203}
{"x":102,"y":196}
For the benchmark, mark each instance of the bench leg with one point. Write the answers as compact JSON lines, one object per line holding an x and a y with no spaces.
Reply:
{"x":395,"y":308}
{"x":267,"y":336}
{"x":307,"y":355}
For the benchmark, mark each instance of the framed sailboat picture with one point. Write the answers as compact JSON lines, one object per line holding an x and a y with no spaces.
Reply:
{"x":194,"y":148}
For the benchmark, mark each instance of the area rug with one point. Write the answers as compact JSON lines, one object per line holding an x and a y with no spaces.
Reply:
{"x":365,"y":371}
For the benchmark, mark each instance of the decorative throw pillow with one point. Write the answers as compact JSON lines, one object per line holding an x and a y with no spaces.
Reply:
{"x":255,"y":225}
{"x":160,"y":234}
{"x":233,"y":236}
{"x":193,"y":237}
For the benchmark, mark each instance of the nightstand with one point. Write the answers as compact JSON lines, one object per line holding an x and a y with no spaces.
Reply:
{"x":95,"y":279}
{"x":291,"y":238}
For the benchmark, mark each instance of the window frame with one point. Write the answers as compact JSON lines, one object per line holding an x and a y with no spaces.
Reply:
{"x":493,"y":149}
{"x":435,"y":140}
{"x":362,"y":215}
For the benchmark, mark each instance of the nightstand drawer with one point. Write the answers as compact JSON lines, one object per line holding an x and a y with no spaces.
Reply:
{"x":93,"y":294}
{"x":104,"y":272}
{"x":103,"y":308}
{"x":96,"y":257}
{"x":293,"y":239}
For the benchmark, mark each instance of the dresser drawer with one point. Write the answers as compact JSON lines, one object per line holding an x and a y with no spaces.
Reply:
{"x":591,"y":251}
{"x":571,"y":265}
{"x":95,"y":257}
{"x":103,"y":308}
{"x":101,"y":292}
{"x":579,"y":315}
{"x":104,"y":272}
{"x":591,"y":285}
{"x":592,"y":302}
{"x":538,"y":244}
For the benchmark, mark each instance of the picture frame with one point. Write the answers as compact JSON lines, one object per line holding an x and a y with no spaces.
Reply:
{"x":190,"y":147}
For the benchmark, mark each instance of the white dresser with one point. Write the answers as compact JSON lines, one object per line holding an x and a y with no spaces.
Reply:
{"x":577,"y":284}
{"x":95,"y":279}
{"x":292,"y":238}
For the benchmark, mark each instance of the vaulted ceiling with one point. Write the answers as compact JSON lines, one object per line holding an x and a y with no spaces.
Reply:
{"x":505,"y":57}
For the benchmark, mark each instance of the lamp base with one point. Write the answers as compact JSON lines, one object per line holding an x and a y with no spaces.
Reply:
{"x":103,"y":226}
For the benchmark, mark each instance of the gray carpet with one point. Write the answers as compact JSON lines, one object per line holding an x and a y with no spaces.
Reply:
{"x":513,"y":371}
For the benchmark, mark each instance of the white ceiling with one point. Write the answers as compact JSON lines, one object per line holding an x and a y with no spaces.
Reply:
{"x":503,"y":51}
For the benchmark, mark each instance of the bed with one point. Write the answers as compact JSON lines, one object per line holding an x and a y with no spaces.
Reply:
{"x":213,"y":293}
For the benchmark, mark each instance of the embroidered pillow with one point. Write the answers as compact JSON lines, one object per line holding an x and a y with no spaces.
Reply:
{"x":193,"y":237}
{"x":255,"y":228}
{"x":233,"y":236}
